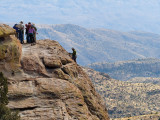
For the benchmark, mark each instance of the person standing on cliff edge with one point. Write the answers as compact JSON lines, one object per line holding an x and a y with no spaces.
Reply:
{"x":74,"y":54}
{"x":34,"y":34}
{"x":21,"y":32}
{"x":31,"y":33}
{"x":27,"y":34}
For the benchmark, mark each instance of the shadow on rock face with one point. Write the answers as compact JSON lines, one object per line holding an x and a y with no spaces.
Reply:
{"x":50,"y":85}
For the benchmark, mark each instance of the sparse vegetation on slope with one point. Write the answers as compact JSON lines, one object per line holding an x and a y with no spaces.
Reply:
{"x":124,"y":98}
{"x":125,"y":70}
{"x":154,"y":116}
{"x":145,"y":80}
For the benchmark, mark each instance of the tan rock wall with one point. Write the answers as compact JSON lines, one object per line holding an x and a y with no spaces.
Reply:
{"x":49,"y":85}
{"x":10,"y":50}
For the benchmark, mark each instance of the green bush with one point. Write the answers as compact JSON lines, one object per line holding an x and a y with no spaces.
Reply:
{"x":3,"y":90}
{"x":5,"y":112}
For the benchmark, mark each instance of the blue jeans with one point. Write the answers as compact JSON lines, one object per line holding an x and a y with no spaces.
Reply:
{"x":31,"y":37}
{"x":28,"y":38}
{"x":21,"y":36}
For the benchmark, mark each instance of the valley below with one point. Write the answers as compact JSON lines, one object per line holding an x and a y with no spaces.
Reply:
{"x":126,"y":99}
{"x":128,"y":87}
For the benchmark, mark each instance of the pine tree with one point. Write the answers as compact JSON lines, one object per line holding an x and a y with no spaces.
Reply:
{"x":3,"y":90}
{"x":5,"y":112}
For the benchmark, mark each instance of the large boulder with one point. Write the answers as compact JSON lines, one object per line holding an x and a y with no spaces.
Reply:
{"x":5,"y":30}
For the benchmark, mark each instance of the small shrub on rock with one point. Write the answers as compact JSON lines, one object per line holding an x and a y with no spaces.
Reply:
{"x":5,"y":112}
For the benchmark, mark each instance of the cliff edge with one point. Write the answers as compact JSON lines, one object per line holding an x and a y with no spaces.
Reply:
{"x":45,"y":83}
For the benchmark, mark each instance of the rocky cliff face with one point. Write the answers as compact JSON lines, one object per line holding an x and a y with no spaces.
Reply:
{"x":10,"y":50}
{"x":46,"y":84}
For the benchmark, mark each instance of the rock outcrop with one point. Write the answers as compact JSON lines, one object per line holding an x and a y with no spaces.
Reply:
{"x":10,"y":49}
{"x":47,"y":84}
{"x":5,"y":30}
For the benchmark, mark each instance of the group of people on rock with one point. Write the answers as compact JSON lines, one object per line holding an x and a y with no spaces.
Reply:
{"x":30,"y":32}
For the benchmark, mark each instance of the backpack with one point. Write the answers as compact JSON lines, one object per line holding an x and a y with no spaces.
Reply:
{"x":34,"y":27}
{"x":16,"y":28}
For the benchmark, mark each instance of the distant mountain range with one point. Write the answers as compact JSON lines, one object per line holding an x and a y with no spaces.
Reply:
{"x":125,"y":99}
{"x":135,"y":70}
{"x":122,"y":15}
{"x":102,"y":45}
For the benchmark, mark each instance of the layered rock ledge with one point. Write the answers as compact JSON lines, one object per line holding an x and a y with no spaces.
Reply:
{"x":47,"y":84}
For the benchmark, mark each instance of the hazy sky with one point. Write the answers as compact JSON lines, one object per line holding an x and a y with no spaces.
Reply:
{"x":123,"y":15}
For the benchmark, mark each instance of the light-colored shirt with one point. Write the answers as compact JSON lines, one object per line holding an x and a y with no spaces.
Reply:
{"x":20,"y":26}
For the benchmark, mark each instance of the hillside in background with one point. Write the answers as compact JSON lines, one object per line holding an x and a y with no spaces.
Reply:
{"x":145,"y":80}
{"x":99,"y":45}
{"x":125,"y":99}
{"x":153,"y":116}
{"x":125,"y":70}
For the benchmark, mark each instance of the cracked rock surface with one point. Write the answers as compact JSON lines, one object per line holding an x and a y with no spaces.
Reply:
{"x":49,"y":85}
